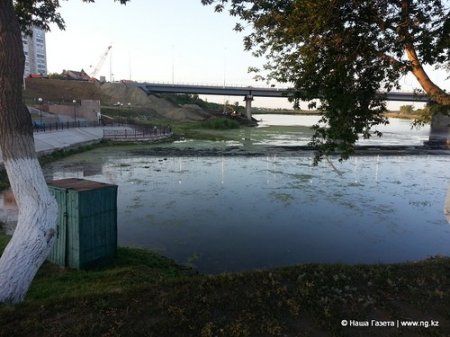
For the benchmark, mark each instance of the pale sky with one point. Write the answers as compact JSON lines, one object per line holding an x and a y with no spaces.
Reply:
{"x":161,"y":41}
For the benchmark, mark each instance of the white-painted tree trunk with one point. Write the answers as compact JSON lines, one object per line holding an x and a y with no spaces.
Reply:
{"x":36,"y":228}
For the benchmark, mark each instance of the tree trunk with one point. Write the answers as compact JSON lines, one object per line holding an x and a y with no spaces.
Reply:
{"x":34,"y":234}
{"x":433,"y":91}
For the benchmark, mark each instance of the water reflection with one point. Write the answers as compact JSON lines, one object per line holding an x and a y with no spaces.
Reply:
{"x":295,"y":130}
{"x":239,"y":213}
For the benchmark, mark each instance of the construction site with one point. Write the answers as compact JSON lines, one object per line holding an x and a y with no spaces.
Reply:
{"x":79,"y":99}
{"x":82,"y":95}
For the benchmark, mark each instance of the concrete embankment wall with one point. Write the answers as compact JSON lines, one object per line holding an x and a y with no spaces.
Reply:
{"x":48,"y":142}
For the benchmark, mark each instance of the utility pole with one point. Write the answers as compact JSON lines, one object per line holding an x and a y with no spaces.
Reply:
{"x":110,"y":68}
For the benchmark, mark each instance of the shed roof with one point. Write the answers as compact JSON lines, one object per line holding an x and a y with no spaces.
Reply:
{"x":78,"y":184}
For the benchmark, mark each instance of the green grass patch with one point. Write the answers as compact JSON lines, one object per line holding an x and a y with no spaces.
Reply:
{"x":132,"y":269}
{"x":195,"y":130}
{"x":216,"y":108}
{"x":135,"y":113}
{"x":144,"y":294}
{"x":220,"y":124}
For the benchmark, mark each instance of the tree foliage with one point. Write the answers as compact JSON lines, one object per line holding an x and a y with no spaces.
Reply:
{"x":345,"y":52}
{"x":406,"y":109}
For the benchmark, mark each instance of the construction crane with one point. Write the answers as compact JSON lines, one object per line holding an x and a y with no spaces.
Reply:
{"x":100,"y":62}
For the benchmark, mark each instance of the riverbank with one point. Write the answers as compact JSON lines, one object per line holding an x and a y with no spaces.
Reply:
{"x":46,"y":143}
{"x":298,"y":151}
{"x":143,"y":294}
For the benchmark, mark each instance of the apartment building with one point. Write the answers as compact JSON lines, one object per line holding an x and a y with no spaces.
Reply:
{"x":35,"y":52}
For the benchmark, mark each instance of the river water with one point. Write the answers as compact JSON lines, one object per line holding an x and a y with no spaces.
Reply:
{"x":291,"y":130}
{"x":297,"y":132}
{"x":235,"y":213}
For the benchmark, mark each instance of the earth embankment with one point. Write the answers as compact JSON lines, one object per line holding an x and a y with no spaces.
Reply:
{"x":109,"y":94}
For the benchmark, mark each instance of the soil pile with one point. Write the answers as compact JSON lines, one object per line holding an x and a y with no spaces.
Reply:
{"x":60,"y":91}
{"x":124,"y":93}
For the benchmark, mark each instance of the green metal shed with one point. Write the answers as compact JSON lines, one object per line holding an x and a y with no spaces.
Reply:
{"x":87,"y":222}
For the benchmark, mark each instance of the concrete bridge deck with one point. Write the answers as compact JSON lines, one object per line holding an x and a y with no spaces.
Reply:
{"x":152,"y":88}
{"x":250,"y":92}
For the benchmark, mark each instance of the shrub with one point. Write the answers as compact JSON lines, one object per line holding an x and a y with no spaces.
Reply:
{"x":220,"y":124}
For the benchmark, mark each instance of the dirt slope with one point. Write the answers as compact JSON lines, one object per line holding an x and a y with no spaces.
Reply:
{"x":62,"y":91}
{"x":109,"y":94}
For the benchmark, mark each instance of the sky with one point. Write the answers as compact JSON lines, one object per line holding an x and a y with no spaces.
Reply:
{"x":178,"y":41}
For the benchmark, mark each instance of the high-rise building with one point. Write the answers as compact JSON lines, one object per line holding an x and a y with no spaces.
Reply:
{"x":35,"y":52}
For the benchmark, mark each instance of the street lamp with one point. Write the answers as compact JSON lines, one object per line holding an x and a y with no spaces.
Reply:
{"x":75,"y":110}
{"x":40,"y":109}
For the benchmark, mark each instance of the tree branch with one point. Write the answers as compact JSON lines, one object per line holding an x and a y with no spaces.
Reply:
{"x":433,"y":91}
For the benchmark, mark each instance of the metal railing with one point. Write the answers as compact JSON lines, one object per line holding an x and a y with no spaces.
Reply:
{"x":130,"y":130}
{"x":136,"y":135}
{"x":54,"y":126}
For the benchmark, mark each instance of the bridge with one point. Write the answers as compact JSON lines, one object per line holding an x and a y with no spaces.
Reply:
{"x":249,"y":92}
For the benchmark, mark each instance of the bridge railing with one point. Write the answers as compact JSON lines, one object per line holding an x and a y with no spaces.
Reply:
{"x":205,"y":84}
{"x":415,"y":92}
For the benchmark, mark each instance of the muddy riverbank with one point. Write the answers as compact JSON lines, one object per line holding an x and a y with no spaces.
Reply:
{"x":173,"y":151}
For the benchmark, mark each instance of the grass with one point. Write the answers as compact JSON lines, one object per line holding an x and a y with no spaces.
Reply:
{"x":220,"y":124}
{"x":216,"y":108}
{"x":132,"y":268}
{"x":136,"y":113}
{"x":143,"y":294}
{"x":195,"y":130}
{"x":398,"y":114}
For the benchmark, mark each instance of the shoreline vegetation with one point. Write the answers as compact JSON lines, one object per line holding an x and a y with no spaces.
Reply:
{"x":143,"y":294}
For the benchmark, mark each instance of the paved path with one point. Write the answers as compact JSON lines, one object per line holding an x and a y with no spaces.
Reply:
{"x":50,"y":141}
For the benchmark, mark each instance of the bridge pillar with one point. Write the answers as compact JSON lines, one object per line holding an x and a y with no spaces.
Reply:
{"x":439,"y":131}
{"x":248,"y":106}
